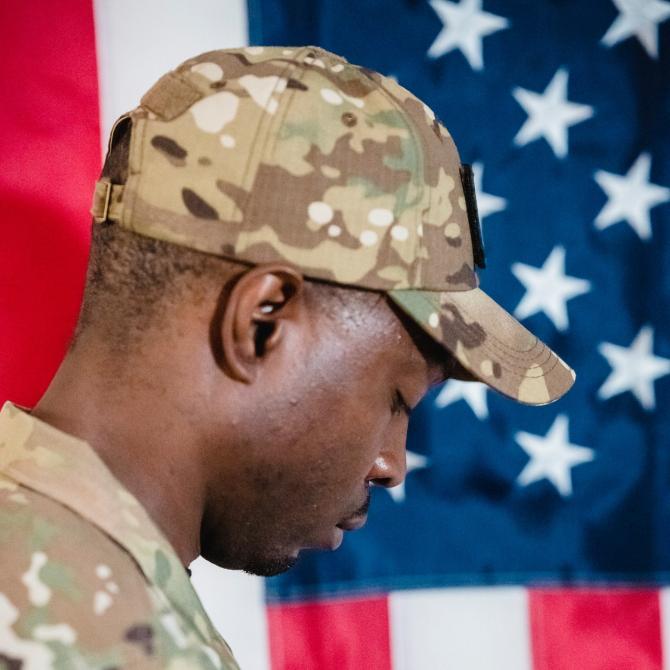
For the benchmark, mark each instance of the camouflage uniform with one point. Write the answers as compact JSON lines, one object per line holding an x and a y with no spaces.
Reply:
{"x":87,"y":579}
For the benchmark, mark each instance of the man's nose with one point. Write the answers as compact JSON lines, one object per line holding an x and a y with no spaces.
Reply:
{"x":390,"y":466}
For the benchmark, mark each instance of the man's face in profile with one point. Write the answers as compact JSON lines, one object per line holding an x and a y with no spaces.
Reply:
{"x":326,"y":419}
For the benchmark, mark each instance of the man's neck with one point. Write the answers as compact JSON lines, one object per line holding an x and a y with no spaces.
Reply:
{"x":138,"y":439}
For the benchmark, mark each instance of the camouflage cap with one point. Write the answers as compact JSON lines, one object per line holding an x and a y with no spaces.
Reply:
{"x":266,"y":154}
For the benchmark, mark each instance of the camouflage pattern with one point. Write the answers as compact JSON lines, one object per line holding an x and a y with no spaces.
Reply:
{"x":509,"y":358}
{"x":265,"y":154}
{"x":87,"y":580}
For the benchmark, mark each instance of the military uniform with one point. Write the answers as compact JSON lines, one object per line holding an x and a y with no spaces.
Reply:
{"x":87,"y":580}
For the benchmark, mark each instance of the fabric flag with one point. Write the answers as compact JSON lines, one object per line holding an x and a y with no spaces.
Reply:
{"x":523,"y":538}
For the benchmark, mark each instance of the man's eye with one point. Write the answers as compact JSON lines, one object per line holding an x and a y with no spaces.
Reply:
{"x":399,"y":404}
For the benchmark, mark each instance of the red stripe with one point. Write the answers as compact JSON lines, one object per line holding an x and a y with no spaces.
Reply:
{"x":50,"y":153}
{"x":596,"y":629}
{"x":332,"y":635}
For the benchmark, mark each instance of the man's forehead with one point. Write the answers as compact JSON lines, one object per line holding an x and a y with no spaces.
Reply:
{"x":402,"y":341}
{"x":425,"y":353}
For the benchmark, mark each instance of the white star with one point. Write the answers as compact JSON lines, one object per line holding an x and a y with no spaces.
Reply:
{"x":548,"y":288}
{"x":552,"y":457}
{"x":414,"y":462}
{"x":630,"y":197}
{"x":550,"y":114}
{"x":634,"y":368}
{"x":640,"y":18}
{"x":473,"y":393}
{"x":465,"y":26}
{"x":486,"y":203}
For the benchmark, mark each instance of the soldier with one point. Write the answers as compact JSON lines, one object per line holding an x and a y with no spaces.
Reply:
{"x":283,"y":261}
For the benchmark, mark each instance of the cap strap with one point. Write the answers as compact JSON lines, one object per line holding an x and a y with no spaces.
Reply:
{"x":107,"y":201}
{"x":468,"y":181}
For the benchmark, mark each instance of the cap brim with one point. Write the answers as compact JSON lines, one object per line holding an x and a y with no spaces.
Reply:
{"x":489,"y":343}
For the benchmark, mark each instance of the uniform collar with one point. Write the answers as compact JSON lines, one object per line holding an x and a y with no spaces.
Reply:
{"x":69,"y":470}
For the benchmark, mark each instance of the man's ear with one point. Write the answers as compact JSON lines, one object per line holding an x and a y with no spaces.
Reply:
{"x":252,"y":321}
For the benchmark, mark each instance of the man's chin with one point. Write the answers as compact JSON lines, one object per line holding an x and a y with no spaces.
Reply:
{"x":269,"y":567}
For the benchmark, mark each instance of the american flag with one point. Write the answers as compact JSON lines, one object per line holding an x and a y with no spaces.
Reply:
{"x":523,"y":538}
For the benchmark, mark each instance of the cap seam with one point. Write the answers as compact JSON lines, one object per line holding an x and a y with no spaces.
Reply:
{"x":417,"y":143}
{"x":499,"y":346}
{"x":272,"y":118}
{"x":500,"y":342}
{"x":277,"y":119}
{"x":138,"y":131}
{"x":468,"y":314}
{"x":513,"y":367}
{"x":264,"y":148}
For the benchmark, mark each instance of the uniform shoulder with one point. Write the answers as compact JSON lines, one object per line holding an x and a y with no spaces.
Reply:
{"x":66,"y":588}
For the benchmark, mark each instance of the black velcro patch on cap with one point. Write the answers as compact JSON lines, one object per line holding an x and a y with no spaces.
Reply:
{"x":468,"y":181}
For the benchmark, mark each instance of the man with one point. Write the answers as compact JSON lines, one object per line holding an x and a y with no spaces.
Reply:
{"x":283,"y":262}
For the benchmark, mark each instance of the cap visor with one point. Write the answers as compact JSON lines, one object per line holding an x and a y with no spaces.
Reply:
{"x":489,"y":343}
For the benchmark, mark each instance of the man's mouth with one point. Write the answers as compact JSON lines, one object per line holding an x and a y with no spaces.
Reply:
{"x":353,"y":523}
{"x":336,"y":534}
{"x":358,"y":518}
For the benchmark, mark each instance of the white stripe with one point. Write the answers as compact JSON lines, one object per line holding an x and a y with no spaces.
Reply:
{"x":138,"y":41}
{"x":460,"y":629}
{"x":664,"y":598}
{"x":235,"y":603}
